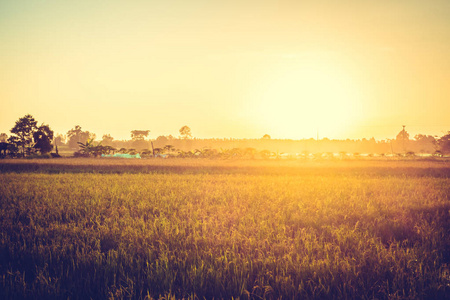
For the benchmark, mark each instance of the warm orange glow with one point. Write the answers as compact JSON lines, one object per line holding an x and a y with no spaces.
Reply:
{"x":228,"y":69}
{"x":306,"y":95}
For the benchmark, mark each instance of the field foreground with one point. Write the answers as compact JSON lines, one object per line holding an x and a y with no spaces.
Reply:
{"x":101,"y":229}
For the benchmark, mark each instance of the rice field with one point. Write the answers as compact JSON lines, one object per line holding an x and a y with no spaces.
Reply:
{"x":204,"y":229}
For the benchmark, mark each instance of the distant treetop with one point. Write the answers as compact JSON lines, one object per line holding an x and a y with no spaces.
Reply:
{"x":403,"y":135}
{"x":139,"y":135}
{"x":185,"y":132}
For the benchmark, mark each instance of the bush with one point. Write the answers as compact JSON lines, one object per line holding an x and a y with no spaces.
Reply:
{"x":80,"y":154}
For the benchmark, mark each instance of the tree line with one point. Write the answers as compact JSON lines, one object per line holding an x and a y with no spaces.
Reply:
{"x":28,"y":139}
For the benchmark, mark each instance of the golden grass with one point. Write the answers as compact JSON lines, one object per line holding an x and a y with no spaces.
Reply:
{"x":279,"y":166}
{"x":247,"y":229}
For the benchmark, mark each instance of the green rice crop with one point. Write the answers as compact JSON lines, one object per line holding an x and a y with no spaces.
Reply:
{"x":211,"y":230}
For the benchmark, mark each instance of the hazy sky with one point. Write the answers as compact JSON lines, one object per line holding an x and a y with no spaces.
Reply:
{"x":228,"y":68}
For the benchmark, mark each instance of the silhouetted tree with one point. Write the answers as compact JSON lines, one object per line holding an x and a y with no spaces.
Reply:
{"x":403,"y":138}
{"x":3,"y":148}
{"x":146,"y":153}
{"x":185,"y":132}
{"x":157,"y":151}
{"x":444,"y":143}
{"x":76,"y":131}
{"x":161,"y":140}
{"x":169,"y":148}
{"x":109,"y":150}
{"x":426,"y":143}
{"x":60,"y":140}
{"x":138,"y":138}
{"x":43,"y":139}
{"x":77,"y":135}
{"x":9,"y":147}
{"x":24,"y":129}
{"x":107,"y":139}
{"x":90,"y":148}
{"x":403,"y":135}
{"x":139,"y":135}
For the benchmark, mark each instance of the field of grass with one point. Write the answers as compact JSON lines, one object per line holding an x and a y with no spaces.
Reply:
{"x":105,"y":228}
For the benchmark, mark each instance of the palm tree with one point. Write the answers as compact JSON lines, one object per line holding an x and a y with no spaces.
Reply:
{"x":89,"y":148}
{"x":86,"y":148}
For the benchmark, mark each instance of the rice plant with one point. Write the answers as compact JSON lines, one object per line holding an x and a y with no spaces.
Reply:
{"x":207,"y":229}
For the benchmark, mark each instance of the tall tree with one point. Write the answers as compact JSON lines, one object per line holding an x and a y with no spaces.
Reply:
{"x":74,"y":136}
{"x":185,"y":132}
{"x":403,"y":138}
{"x":444,"y":143}
{"x":107,"y":139}
{"x":139,"y":135}
{"x":77,"y":135}
{"x":161,"y":141}
{"x":43,"y":139}
{"x":23,"y":130}
{"x":60,"y":140}
{"x":403,"y":135}
{"x":426,"y":143}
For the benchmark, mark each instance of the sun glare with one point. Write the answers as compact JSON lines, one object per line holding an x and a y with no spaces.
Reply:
{"x":298,"y":100}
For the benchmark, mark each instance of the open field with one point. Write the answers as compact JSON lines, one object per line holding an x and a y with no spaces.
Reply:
{"x":435,"y":167}
{"x":108,"y":228}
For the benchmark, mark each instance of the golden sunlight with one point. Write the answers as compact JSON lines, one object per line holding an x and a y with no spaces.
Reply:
{"x":305,"y":96}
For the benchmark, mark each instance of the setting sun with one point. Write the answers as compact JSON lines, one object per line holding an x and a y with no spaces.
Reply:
{"x":305,"y":95}
{"x":291,"y":69}
{"x":224,"y":149}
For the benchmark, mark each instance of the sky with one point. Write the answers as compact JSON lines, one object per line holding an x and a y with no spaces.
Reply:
{"x":242,"y":69}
